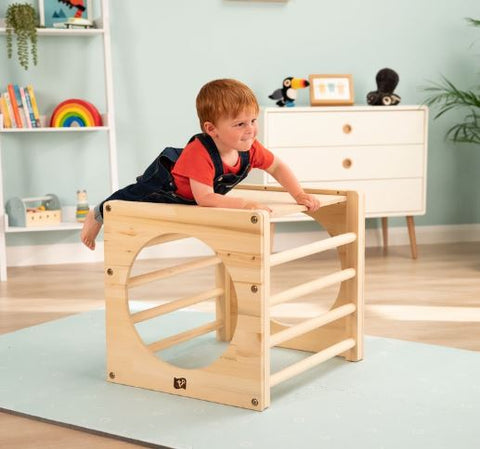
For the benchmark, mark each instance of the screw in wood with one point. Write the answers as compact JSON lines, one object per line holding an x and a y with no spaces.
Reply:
{"x":108,"y":208}
{"x":254,"y":289}
{"x":254,"y":402}
{"x":111,"y":374}
{"x":254,"y":219}
{"x":110,"y":272}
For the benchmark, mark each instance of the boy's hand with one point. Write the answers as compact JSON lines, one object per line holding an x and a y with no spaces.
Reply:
{"x":285,"y":177}
{"x":310,"y":201}
{"x":252,"y":205}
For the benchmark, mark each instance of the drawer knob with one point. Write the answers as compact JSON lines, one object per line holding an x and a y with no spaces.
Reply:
{"x":347,"y":129}
{"x":347,"y":163}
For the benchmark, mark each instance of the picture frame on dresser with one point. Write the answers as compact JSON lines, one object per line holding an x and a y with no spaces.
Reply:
{"x":54,"y":12}
{"x":331,"y":90}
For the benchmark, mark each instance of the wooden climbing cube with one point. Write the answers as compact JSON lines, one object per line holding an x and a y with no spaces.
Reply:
{"x":241,"y":242}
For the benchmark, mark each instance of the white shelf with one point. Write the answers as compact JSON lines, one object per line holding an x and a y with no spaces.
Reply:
{"x":64,"y":32}
{"x":55,"y":130}
{"x":66,"y":226}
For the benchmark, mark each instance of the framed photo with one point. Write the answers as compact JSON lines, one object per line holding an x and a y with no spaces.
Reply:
{"x":53,"y":13}
{"x":331,"y":90}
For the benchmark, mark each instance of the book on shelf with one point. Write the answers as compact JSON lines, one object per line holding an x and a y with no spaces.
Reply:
{"x":28,"y":107}
{"x":13,"y":101}
{"x":3,"y":111}
{"x":33,"y":101}
{"x":6,"y":95}
{"x":7,"y":122}
{"x":21,"y":107}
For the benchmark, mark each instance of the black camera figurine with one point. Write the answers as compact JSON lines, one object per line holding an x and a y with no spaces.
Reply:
{"x":387,"y":80}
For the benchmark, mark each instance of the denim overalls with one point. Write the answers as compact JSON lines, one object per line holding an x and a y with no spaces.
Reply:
{"x":156,"y":184}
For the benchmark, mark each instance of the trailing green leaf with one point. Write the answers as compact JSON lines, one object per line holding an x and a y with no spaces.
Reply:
{"x":473,"y":22}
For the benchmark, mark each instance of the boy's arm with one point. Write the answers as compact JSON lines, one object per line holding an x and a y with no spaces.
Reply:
{"x":285,"y":177}
{"x":205,"y":196}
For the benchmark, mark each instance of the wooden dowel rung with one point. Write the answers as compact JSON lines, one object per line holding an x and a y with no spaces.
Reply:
{"x":142,"y":279}
{"x":311,"y":361}
{"x":314,"y":323}
{"x":312,"y":248}
{"x":175,"y":305}
{"x":184,"y":336}
{"x":167,"y":238}
{"x":311,"y":286}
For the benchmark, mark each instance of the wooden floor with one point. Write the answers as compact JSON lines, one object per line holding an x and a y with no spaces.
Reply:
{"x":434,"y":299}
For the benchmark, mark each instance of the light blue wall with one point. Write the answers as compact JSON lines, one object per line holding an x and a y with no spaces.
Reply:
{"x":164,"y":51}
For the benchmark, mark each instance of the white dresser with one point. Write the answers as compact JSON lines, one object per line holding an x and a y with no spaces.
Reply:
{"x":379,"y":150}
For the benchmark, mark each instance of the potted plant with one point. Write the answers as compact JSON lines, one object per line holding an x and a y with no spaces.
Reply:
{"x":21,"y":19}
{"x":448,"y":97}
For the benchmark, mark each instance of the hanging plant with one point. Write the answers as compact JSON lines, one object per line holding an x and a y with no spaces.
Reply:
{"x":21,"y":19}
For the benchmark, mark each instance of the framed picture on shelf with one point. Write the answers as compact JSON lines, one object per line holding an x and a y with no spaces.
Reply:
{"x":65,"y":13}
{"x":331,"y":90}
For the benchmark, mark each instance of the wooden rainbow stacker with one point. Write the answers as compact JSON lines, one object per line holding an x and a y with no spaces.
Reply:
{"x":241,"y":242}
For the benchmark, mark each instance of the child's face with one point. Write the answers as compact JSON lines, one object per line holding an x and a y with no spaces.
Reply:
{"x":235,"y":133}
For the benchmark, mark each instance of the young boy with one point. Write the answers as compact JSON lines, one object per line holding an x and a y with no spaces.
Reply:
{"x":212,"y":163}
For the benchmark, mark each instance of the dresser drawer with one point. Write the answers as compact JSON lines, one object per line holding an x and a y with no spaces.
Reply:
{"x":384,"y":197}
{"x":341,"y":128}
{"x":343,"y":163}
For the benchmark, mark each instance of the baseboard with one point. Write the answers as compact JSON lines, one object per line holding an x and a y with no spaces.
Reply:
{"x":77,"y":253}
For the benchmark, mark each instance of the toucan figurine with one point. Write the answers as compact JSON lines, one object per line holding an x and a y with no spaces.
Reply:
{"x":287,"y":95}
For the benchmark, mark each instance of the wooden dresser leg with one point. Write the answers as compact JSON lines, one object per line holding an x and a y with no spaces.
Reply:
{"x":385,"y":234}
{"x":411,"y":235}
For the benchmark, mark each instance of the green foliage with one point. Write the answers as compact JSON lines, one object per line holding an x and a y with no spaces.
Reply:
{"x":473,"y":22}
{"x":446,"y":96}
{"x":22,"y":20}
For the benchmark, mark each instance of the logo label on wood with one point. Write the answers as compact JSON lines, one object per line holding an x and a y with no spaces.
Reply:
{"x":179,"y":383}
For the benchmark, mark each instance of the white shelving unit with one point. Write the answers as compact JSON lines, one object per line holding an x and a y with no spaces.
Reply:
{"x":101,"y":30}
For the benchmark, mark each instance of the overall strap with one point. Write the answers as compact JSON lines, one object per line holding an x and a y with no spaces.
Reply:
{"x":209,"y":144}
{"x":244,"y":160}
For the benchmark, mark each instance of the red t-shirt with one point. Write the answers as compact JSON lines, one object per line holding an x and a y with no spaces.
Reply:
{"x":196,"y":163}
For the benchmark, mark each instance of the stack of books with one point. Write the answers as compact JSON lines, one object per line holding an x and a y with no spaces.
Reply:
{"x":18,"y":106}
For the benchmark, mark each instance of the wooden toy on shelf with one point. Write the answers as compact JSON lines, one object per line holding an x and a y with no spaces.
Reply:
{"x":82,"y":206}
{"x":241,"y":243}
{"x":75,"y":112}
{"x":37,"y":211}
